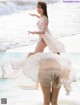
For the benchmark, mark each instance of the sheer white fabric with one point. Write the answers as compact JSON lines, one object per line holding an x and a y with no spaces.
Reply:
{"x":53,"y":44}
{"x":44,"y":68}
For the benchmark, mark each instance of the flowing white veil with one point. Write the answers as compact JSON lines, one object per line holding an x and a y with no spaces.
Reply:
{"x":25,"y":70}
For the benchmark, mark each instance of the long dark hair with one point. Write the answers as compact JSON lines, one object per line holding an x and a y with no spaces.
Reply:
{"x":43,"y":5}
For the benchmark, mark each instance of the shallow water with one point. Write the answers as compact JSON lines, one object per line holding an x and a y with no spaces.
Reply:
{"x":17,"y":95}
{"x":20,"y":96}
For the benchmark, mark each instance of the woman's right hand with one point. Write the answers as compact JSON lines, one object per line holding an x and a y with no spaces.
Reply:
{"x":34,"y":15}
{"x":31,"y":14}
{"x":29,"y":32}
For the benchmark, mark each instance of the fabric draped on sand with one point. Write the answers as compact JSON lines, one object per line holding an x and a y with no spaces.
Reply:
{"x":46,"y":68}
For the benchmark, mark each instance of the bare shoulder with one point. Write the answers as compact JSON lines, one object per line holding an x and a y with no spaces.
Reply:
{"x":44,"y":18}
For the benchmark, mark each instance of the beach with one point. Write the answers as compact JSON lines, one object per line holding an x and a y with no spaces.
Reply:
{"x":64,"y":23}
{"x":17,"y":95}
{"x":71,"y":43}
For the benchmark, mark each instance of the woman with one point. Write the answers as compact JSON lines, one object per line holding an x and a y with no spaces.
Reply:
{"x":50,"y":70}
{"x":51,"y":90}
{"x":46,"y":39}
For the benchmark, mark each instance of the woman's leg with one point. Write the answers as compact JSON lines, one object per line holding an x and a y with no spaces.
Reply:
{"x":46,"y":94}
{"x":51,"y":90}
{"x":55,"y":94}
{"x":39,"y":48}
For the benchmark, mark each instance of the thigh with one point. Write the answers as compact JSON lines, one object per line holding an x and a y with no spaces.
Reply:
{"x":46,"y":91}
{"x":55,"y":94}
{"x":40,"y":46}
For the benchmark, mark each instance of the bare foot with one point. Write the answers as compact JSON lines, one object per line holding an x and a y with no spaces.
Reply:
{"x":31,"y":54}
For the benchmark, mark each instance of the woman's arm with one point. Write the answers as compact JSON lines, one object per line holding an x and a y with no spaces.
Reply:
{"x":36,"y":32}
{"x":34,"y":15}
{"x":44,"y":28}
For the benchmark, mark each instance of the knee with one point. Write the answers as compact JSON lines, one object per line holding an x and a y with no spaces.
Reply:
{"x":46,"y":101}
{"x":54,"y":102}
